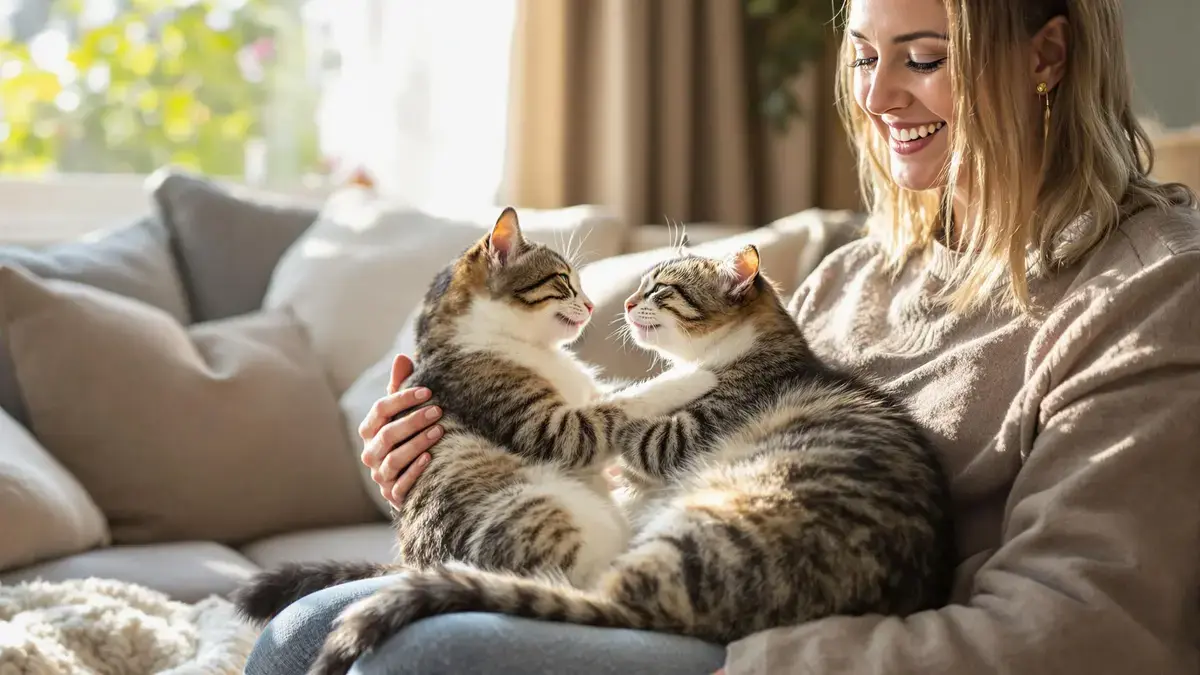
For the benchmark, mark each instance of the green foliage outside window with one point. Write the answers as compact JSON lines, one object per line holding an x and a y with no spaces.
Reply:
{"x":165,"y":82}
{"x":784,"y":36}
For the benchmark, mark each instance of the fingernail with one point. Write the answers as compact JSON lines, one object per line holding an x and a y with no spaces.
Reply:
{"x":424,"y":459}
{"x":432,"y":413}
{"x":422,"y":394}
{"x":434,"y":433}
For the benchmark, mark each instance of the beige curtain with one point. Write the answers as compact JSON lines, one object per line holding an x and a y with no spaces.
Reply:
{"x":647,"y":106}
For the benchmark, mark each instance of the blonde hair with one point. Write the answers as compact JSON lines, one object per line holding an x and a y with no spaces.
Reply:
{"x":1094,"y":171}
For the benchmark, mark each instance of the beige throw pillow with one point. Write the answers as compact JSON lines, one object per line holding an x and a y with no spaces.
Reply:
{"x":45,"y":511}
{"x":222,"y":431}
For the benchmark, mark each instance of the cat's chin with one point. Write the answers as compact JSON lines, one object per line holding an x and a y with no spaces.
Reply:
{"x":571,"y":323}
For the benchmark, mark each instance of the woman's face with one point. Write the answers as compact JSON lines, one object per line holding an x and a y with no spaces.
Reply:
{"x":901,"y":82}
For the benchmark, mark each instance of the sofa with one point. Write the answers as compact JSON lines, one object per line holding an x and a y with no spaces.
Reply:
{"x":180,"y":394}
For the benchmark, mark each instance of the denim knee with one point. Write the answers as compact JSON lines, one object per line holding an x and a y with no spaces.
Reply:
{"x":456,"y":644}
{"x":290,"y":642}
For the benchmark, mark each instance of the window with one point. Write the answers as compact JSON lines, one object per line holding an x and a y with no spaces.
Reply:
{"x":225,"y":87}
{"x":286,"y":94}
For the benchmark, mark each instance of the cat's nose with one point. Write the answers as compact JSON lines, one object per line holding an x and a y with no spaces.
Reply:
{"x":588,"y":306}
{"x":629,"y":305}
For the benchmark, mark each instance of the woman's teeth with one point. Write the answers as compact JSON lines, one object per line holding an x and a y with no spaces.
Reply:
{"x":913,"y":133}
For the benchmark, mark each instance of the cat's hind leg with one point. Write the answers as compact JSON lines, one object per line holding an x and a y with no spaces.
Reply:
{"x":602,"y":531}
{"x":550,"y":523}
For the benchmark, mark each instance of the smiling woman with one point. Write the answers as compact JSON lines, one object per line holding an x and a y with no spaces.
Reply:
{"x":1039,"y":108}
{"x":912,"y":100}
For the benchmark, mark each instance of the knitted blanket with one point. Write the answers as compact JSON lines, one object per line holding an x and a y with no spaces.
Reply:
{"x":105,"y":627}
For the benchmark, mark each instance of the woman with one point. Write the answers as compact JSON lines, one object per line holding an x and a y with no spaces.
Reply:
{"x":1033,"y":297}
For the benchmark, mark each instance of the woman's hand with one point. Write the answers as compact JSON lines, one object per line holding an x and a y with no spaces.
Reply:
{"x":390,"y":448}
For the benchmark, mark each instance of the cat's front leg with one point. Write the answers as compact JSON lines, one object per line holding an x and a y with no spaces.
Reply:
{"x":665,"y":393}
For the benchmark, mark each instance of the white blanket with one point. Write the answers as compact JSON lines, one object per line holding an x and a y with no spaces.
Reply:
{"x":106,"y":627}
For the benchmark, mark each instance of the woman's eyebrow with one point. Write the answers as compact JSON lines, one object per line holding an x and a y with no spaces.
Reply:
{"x":907,"y":37}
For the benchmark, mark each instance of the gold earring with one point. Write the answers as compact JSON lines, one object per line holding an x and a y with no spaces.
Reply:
{"x":1043,"y":90}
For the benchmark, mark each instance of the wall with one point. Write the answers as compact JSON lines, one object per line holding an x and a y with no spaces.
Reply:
{"x":1163,"y":45}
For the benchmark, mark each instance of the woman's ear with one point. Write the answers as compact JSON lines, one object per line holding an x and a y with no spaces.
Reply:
{"x":1049,"y":58}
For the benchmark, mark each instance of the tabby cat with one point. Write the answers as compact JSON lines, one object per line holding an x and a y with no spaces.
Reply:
{"x":789,"y":492}
{"x":516,"y":482}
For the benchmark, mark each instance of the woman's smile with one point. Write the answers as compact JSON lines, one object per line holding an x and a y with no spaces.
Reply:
{"x":909,"y":139}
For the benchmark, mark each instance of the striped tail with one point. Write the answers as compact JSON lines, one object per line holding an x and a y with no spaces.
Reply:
{"x":268,"y":593}
{"x":417,"y":595}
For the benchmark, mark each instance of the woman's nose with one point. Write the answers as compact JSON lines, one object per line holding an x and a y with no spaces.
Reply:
{"x":884,"y":92}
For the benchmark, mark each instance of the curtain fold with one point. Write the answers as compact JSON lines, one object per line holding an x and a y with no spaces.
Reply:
{"x":647,"y":106}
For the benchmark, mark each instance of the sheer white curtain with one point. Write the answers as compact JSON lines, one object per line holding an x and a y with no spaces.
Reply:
{"x":420,"y":94}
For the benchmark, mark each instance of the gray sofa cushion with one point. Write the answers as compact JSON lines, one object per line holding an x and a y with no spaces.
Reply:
{"x":134,"y":261}
{"x":186,"y":571}
{"x":374,"y":542}
{"x":226,"y":241}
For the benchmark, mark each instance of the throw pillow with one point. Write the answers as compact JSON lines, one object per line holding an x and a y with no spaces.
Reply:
{"x":223,"y":431}
{"x":365,"y":264}
{"x":226,"y":239}
{"x":133,"y":260}
{"x":45,"y":511}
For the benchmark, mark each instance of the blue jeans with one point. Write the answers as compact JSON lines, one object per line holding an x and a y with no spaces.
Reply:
{"x":482,"y":644}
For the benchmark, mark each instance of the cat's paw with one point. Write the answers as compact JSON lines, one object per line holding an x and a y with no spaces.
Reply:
{"x":666,"y":393}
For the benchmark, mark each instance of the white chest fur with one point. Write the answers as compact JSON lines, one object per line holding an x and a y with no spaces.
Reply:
{"x":569,"y":376}
{"x":485,"y":329}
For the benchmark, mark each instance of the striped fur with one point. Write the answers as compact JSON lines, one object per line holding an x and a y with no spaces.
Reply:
{"x":516,"y":481}
{"x":792,"y":491}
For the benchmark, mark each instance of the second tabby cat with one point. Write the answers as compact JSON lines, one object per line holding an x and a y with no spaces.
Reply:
{"x":790,"y":492}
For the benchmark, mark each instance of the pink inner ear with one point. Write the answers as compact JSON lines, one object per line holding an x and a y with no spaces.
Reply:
{"x":501,"y":245}
{"x":744,"y":265}
{"x":505,"y":237}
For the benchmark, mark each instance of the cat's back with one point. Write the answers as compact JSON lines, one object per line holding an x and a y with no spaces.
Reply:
{"x":788,"y":398}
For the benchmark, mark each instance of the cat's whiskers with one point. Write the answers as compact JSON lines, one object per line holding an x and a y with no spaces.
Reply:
{"x":622,"y":331}
{"x":560,"y":245}
{"x":657,"y":354}
{"x":567,"y":251}
{"x":676,"y":235}
{"x":576,"y":255}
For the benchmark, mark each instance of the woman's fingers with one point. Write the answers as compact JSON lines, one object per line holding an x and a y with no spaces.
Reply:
{"x":395,"y":447}
{"x":405,"y":482}
{"x":402,"y":369}
{"x":394,"y":433}
{"x":396,"y":461}
{"x":384,"y":409}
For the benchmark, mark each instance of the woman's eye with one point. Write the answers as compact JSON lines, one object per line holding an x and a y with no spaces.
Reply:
{"x":864,"y":61}
{"x":925,"y":66}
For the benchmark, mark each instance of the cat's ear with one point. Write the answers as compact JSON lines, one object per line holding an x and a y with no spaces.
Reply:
{"x":505,"y":240}
{"x":742,"y":267}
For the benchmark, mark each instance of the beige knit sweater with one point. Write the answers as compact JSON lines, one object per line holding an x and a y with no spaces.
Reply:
{"x":1073,"y":442}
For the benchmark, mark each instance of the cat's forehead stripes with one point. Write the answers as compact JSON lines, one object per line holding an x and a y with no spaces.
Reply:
{"x":691,"y":270}
{"x":535,"y":267}
{"x":697,"y":291}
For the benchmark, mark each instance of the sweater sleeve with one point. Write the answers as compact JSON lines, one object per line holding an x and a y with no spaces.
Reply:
{"x":1099,"y":566}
